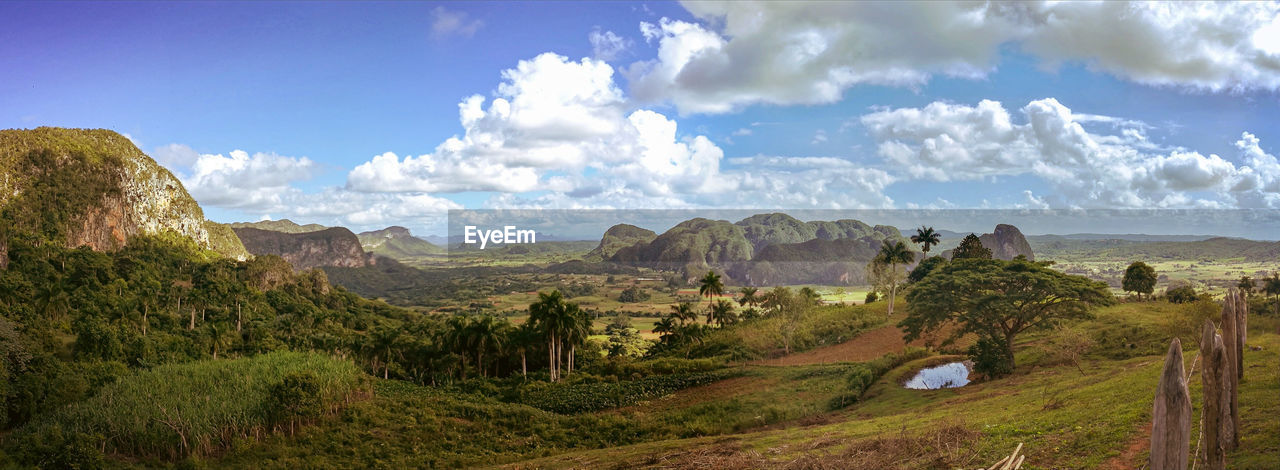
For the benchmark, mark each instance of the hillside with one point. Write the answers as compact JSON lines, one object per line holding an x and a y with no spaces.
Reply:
{"x":618,"y":237}
{"x":92,"y":187}
{"x":762,"y":249}
{"x":282,"y":225}
{"x":329,"y":247}
{"x":397,"y":243}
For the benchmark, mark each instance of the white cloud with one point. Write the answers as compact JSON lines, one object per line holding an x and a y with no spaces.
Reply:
{"x":560,"y":128}
{"x":749,"y":52}
{"x":175,"y":156}
{"x":945,"y":142}
{"x":242,"y":181}
{"x":607,"y":45}
{"x":445,"y":23}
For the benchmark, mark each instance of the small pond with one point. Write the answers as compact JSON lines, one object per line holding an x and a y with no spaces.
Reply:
{"x":952,"y":375}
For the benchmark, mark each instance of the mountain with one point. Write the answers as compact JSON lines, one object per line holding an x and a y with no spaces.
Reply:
{"x":223,"y":239}
{"x":1005,"y":242}
{"x":92,"y":187}
{"x":397,"y":243}
{"x":282,"y":225}
{"x":618,"y":237}
{"x":335,"y":246}
{"x":791,"y":249}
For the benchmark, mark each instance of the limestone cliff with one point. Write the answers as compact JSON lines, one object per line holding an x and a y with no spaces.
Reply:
{"x":90,"y":187}
{"x":335,"y":246}
{"x":1007,"y":242}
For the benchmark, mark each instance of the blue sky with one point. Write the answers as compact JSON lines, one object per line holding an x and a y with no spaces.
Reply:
{"x":343,"y":113}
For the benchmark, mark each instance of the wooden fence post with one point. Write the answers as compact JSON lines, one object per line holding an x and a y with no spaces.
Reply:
{"x":1211,"y":372}
{"x":1230,"y":340}
{"x":1171,"y":415}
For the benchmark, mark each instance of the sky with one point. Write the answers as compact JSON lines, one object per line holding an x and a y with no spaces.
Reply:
{"x":373,"y":114}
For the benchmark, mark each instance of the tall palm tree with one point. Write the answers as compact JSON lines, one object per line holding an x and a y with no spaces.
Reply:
{"x":457,"y":338}
{"x":893,"y":254}
{"x":926,"y":238}
{"x":554,"y":318}
{"x":384,"y":343}
{"x":576,"y":332}
{"x":665,"y":329}
{"x":749,"y":297}
{"x":709,"y":287}
{"x":521,"y":340}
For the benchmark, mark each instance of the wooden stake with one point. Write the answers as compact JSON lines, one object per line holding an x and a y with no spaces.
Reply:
{"x":1171,"y":415}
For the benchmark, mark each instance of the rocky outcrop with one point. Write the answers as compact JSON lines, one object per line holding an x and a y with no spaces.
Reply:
{"x":1006,"y":243}
{"x":282,"y":225}
{"x":90,"y":187}
{"x":397,"y":243}
{"x":336,"y":247}
{"x":224,"y":240}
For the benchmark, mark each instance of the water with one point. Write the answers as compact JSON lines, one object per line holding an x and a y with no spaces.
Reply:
{"x":952,"y":375}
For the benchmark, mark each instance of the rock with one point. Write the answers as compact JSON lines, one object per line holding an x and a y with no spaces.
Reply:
{"x":329,"y":247}
{"x":1006,"y":243}
{"x":1171,"y":415}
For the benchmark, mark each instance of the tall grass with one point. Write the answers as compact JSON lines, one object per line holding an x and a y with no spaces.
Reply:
{"x":196,"y":408}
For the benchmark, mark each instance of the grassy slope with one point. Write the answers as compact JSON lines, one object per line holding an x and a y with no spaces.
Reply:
{"x":1065,"y":419}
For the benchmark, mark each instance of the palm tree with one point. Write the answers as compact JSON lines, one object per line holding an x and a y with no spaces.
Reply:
{"x":1246,"y":285}
{"x":722,"y":313}
{"x":665,"y":329}
{"x":810,"y":296}
{"x":384,"y":343}
{"x":683,"y":312}
{"x":893,"y":254}
{"x":485,"y":333}
{"x":521,"y":340}
{"x":457,"y":338}
{"x":554,"y":319}
{"x":926,"y":238}
{"x":710,"y":286}
{"x":749,"y":297}
{"x":576,"y":333}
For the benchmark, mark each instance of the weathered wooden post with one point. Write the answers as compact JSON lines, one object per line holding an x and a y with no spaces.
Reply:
{"x":1171,"y":415}
{"x":1230,"y":338}
{"x":1242,"y":325}
{"x":1211,"y":372}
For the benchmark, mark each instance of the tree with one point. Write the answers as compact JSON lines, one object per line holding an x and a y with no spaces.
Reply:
{"x":926,"y":238}
{"x":710,"y":286}
{"x":1139,"y":278}
{"x":971,"y":248}
{"x":1246,"y":285}
{"x":749,"y":297}
{"x":1272,"y":288}
{"x":891,"y":255}
{"x":683,"y":312}
{"x":484,"y":334}
{"x":522,"y":340}
{"x":1181,"y":294}
{"x":809,"y":296}
{"x":997,"y":300}
{"x":557,"y":321}
{"x":722,"y":313}
{"x":925,"y":267}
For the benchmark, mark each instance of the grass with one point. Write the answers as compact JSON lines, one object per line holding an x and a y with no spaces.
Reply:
{"x":198,"y":408}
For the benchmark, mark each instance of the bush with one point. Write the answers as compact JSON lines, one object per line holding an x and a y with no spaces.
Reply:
{"x":174,"y":411}
{"x":588,"y":397}
{"x":871,"y":297}
{"x":864,"y":375}
{"x":990,"y":357}
{"x":633,"y":294}
{"x":1181,"y":295}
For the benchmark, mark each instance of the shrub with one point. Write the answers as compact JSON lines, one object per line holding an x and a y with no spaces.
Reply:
{"x":864,"y":375}
{"x":1181,"y":295}
{"x":871,"y":297}
{"x":990,"y":357}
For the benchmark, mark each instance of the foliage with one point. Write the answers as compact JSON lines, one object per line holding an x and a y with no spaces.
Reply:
{"x":997,"y":300}
{"x":1181,"y":294}
{"x":164,"y":412}
{"x":926,"y":237}
{"x":633,"y":294}
{"x":992,"y":356}
{"x":871,"y":297}
{"x":863,"y":375}
{"x":925,"y":267}
{"x":588,"y":397}
{"x":971,"y":248}
{"x":1139,"y":278}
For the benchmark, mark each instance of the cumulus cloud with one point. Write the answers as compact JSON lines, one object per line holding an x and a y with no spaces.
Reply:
{"x":242,"y":181}
{"x":561,"y":126}
{"x":946,"y":142}
{"x":445,"y":23}
{"x":742,"y":53}
{"x":607,"y":45}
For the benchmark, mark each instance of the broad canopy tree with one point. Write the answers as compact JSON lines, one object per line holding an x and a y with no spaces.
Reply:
{"x":997,"y":300}
{"x":1140,"y":278}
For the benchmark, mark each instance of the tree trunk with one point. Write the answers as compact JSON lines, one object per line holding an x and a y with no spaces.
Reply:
{"x":524,"y":366}
{"x":893,"y":292}
{"x":192,"y":325}
{"x":1211,"y":372}
{"x":238,"y":318}
{"x":1171,"y":415}
{"x":551,"y":357}
{"x":145,"y":309}
{"x":1008,"y":350}
{"x":573,"y":349}
{"x":480,"y":362}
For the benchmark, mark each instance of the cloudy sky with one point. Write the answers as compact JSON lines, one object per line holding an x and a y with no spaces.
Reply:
{"x":372,"y":114}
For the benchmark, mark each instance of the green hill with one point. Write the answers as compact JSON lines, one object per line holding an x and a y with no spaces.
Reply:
{"x":618,"y":237}
{"x":282,"y":225}
{"x":91,"y":187}
{"x":397,"y":243}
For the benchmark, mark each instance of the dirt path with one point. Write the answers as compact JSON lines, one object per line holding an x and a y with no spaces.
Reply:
{"x":864,"y":347}
{"x":1129,"y":456}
